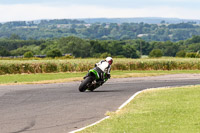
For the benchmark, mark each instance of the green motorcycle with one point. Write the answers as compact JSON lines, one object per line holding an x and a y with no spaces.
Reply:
{"x":93,"y":80}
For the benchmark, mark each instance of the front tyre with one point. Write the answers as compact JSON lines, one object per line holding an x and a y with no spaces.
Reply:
{"x":84,"y":85}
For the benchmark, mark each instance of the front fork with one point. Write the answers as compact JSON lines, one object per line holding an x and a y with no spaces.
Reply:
{"x":86,"y":76}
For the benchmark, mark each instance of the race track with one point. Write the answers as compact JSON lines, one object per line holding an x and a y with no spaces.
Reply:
{"x":60,"y":108}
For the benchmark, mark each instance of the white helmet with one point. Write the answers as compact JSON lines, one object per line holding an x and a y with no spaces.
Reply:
{"x":109,"y":60}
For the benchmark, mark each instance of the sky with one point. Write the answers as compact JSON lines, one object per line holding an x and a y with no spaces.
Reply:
{"x":27,"y":10}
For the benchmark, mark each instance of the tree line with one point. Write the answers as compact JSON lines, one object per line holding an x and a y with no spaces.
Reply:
{"x":48,"y":29}
{"x":97,"y":48}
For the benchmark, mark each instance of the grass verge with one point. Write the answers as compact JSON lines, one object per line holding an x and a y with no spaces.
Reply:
{"x":164,"y":110}
{"x":40,"y":78}
{"x":77,"y":76}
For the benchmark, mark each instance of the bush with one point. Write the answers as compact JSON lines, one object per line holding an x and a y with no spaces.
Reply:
{"x":129,"y":51}
{"x":66,"y":57}
{"x":28,"y":54}
{"x":54,"y":53}
{"x":181,"y":53}
{"x":193,"y":55}
{"x":156,"y":53}
{"x":4,"y":52}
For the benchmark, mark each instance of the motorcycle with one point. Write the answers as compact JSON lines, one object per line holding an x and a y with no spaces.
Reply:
{"x":93,"y":80}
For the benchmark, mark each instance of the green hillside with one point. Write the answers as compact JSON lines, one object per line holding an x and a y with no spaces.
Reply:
{"x":103,"y":29}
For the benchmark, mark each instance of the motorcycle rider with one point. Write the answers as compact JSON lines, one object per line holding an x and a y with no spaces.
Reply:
{"x":102,"y":67}
{"x":101,"y":73}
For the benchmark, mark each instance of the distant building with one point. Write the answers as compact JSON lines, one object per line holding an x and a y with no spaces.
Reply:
{"x":141,"y":35}
{"x":87,"y":25}
{"x":40,"y":56}
{"x":70,"y":54}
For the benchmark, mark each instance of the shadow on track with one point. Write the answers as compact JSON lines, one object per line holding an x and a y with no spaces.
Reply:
{"x":97,"y":91}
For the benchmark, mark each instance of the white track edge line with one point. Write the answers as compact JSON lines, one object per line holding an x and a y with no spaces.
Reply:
{"x":90,"y":125}
{"x":130,"y":99}
{"x":124,"y":104}
{"x":137,"y":93}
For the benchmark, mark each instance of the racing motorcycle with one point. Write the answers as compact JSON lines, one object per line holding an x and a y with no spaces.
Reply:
{"x":93,"y":80}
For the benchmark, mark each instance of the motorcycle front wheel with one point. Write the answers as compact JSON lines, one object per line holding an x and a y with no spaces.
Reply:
{"x":84,"y":84}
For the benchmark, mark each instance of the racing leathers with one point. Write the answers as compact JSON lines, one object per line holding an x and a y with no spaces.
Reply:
{"x":103,"y":67}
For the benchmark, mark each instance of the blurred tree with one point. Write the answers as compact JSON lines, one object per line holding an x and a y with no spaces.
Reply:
{"x":54,"y":53}
{"x":156,"y":53}
{"x":28,"y":54}
{"x":129,"y":51}
{"x":181,"y":53}
{"x":15,"y":37}
{"x":4,"y":52}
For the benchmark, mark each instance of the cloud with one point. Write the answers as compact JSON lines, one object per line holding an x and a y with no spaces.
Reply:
{"x":36,"y":11}
{"x":29,"y":12}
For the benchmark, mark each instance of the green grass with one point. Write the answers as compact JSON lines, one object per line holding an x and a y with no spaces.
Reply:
{"x":28,"y":78}
{"x":65,"y":77}
{"x":168,"y":110}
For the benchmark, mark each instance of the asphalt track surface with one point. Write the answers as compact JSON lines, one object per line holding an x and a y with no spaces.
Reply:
{"x":61,"y":108}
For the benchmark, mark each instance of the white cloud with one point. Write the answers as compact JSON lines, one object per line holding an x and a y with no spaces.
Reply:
{"x":28,"y":12}
{"x":36,"y":11}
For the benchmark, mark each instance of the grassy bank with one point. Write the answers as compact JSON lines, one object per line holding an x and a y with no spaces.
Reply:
{"x":164,"y":110}
{"x":77,"y":76}
{"x":40,"y":78}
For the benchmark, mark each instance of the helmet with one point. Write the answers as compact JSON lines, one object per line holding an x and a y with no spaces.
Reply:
{"x":109,"y":60}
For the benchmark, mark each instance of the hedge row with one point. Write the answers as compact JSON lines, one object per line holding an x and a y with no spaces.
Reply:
{"x":157,"y":65}
{"x":42,"y":68}
{"x":50,"y":67}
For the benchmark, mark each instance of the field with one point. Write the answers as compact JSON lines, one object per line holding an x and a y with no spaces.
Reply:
{"x":36,"y":70}
{"x":163,"y":110}
{"x":82,"y":65}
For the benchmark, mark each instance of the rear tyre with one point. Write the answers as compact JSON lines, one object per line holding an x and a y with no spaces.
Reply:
{"x":84,"y":85}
